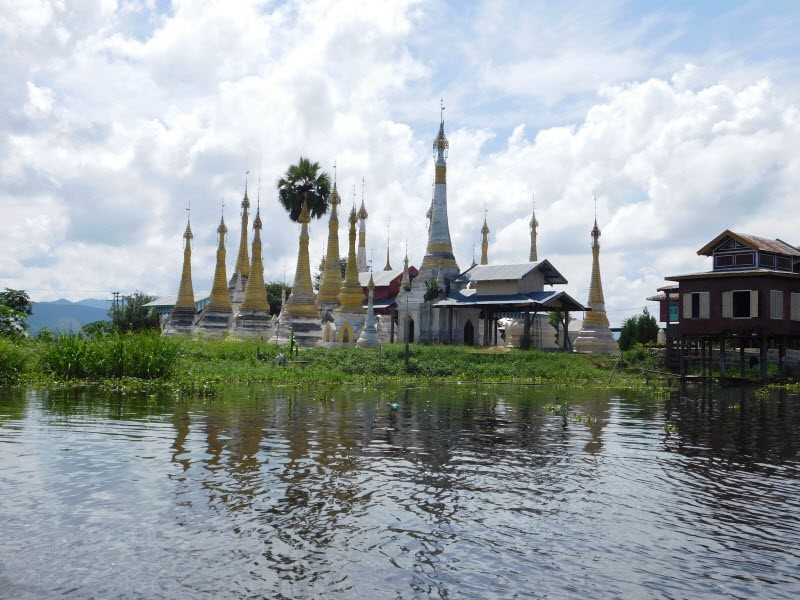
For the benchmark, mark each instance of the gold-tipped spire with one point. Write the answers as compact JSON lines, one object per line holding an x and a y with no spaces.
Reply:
{"x":219,"y":300}
{"x":332,"y":275}
{"x":301,"y":302}
{"x":243,"y":260}
{"x":185,"y":290}
{"x":405,"y":283}
{"x":361,"y":258}
{"x":534,"y":224}
{"x":351,"y":295}
{"x":597,"y":316}
{"x":255,"y":294}
{"x":439,"y":248}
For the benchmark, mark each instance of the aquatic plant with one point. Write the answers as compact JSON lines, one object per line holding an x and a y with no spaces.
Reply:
{"x":13,"y":359}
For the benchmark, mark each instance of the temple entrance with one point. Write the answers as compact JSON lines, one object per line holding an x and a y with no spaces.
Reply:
{"x":469,"y":334}
{"x":410,"y":331}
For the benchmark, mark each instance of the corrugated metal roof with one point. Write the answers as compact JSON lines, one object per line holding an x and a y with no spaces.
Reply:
{"x":534,"y":300}
{"x":753,"y":242}
{"x":511,"y":272}
{"x":171,"y":300}
{"x":724,"y":274}
{"x":381,"y":278}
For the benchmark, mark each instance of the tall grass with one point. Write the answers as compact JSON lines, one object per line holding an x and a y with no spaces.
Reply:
{"x":13,"y":359}
{"x":143,"y":355}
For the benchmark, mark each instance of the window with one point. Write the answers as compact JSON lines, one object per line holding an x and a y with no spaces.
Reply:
{"x":740,"y":304}
{"x":794,"y":311}
{"x":766,"y":260}
{"x":673,"y":312}
{"x":776,"y":304}
{"x":746,"y":259}
{"x":723,"y":260}
{"x":696,"y":305}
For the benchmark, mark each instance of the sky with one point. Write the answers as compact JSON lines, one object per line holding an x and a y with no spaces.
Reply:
{"x":680,"y":118}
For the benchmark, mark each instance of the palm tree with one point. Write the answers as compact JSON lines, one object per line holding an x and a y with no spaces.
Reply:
{"x":304,"y":181}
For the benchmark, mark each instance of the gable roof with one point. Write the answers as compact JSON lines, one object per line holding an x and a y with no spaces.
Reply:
{"x":753,"y":242}
{"x":511,"y":272}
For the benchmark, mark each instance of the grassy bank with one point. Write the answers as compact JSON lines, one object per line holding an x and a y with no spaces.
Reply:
{"x":194,"y":363}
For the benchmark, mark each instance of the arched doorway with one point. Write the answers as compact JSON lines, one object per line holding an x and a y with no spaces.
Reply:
{"x":469,"y":334}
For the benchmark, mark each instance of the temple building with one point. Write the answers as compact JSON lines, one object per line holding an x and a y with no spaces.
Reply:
{"x":437,"y":303}
{"x":595,"y":336}
{"x":417,"y":317}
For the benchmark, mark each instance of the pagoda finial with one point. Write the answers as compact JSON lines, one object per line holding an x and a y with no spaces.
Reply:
{"x":534,"y":224}
{"x":595,"y":229}
{"x":362,"y":212}
{"x":440,"y":144}
{"x":485,"y":239}
{"x":245,"y":200}
{"x":388,"y":266}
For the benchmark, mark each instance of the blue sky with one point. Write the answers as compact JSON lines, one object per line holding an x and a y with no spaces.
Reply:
{"x":681,"y":117}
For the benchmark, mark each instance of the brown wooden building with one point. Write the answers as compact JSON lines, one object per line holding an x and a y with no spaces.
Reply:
{"x":750,"y":299}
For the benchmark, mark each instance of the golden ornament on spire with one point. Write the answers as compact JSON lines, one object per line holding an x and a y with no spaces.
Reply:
{"x":485,"y":243}
{"x":534,"y":224}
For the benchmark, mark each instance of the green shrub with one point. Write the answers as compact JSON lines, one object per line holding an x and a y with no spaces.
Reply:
{"x":12,"y":361}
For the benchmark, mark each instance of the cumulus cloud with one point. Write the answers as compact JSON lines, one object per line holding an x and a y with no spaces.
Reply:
{"x":119,"y":116}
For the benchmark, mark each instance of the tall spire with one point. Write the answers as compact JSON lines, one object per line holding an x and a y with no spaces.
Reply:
{"x":185,"y":290}
{"x":362,"y":234}
{"x":243,"y":260}
{"x":219,"y":299}
{"x":388,"y":266}
{"x":181,"y":318}
{"x":332,"y":275}
{"x":405,"y":283}
{"x":351,"y":295}
{"x":534,"y":224}
{"x":369,"y":335}
{"x":595,"y":335}
{"x":484,"y":241}
{"x":439,"y":248}
{"x":255,"y":294}
{"x":301,"y":302}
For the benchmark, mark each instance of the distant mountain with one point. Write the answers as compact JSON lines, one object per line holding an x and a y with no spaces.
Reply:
{"x":63,"y":315}
{"x":95,"y":302}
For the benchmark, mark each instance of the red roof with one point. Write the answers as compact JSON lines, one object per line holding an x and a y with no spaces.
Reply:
{"x":753,"y":242}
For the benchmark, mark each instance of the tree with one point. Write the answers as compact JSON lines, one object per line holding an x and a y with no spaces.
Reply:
{"x":99,"y":329}
{"x":132,"y":315}
{"x":274,"y":296}
{"x":639,"y":329}
{"x":17,"y":300}
{"x":304,"y":181}
{"x":15,"y":307}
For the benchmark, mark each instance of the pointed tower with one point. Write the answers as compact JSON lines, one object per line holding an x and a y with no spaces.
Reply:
{"x":241,"y":270}
{"x":534,"y":224}
{"x":253,"y":319}
{"x":328,"y":296}
{"x":405,"y":283}
{"x":350,"y":315}
{"x":181,"y":319}
{"x":439,"y":246}
{"x":595,"y":336}
{"x":362,"y":235}
{"x":301,"y":301}
{"x":484,"y":242}
{"x":369,"y":335}
{"x":419,"y":320}
{"x":388,"y":266}
{"x":216,"y":316}
{"x":300,"y":312}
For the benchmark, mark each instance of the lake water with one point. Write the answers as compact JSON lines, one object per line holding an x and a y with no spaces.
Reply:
{"x":458,"y":492}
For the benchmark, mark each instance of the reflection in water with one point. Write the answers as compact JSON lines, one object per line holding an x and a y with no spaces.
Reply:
{"x":464,"y":491}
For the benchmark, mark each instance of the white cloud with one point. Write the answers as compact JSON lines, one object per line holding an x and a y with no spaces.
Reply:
{"x":119,"y":117}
